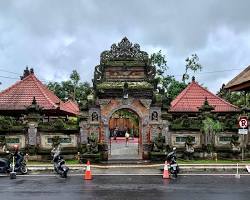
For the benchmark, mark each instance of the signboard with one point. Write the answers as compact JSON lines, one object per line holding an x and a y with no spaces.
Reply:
{"x":242,"y":131}
{"x":243,"y":122}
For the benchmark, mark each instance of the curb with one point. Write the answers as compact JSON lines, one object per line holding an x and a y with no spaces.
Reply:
{"x":187,"y":167}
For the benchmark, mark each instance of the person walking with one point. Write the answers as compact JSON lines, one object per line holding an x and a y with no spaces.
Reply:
{"x":126,"y":138}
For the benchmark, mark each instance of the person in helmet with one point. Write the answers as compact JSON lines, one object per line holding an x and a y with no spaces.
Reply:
{"x":18,"y":156}
{"x":171,"y":157}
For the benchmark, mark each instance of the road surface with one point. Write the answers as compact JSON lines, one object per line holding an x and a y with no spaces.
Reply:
{"x":117,"y":187}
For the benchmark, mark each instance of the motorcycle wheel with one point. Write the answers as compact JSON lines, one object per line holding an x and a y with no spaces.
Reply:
{"x":23,"y":169}
{"x":175,"y":174}
{"x":64,"y":174}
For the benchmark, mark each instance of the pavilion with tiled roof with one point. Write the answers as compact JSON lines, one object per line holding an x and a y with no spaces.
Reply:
{"x":17,"y":98}
{"x":241,"y":82}
{"x":192,"y":98}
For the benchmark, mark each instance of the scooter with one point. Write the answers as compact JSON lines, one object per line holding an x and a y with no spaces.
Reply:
{"x":59,"y":164}
{"x":173,"y":166}
{"x":6,"y":166}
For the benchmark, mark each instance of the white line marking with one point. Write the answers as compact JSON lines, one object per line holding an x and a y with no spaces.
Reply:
{"x":55,"y":175}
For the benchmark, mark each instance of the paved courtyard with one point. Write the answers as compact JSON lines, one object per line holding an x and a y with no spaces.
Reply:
{"x":119,"y":150}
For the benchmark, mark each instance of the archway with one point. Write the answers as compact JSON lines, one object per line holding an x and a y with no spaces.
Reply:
{"x":121,"y":121}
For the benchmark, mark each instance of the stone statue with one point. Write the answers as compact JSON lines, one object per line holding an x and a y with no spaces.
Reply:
{"x":154,"y":116}
{"x":92,"y":146}
{"x":94,"y":116}
{"x":159,"y":143}
{"x":189,"y":147}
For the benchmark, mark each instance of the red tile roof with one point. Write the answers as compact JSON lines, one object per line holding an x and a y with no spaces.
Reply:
{"x":193,"y":97}
{"x":20,"y":95}
{"x":73,"y":106}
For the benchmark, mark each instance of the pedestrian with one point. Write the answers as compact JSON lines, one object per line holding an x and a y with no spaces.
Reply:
{"x":126,"y":138}
{"x":115,"y":133}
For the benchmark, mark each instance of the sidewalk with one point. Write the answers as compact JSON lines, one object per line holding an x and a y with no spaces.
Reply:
{"x":144,"y":168}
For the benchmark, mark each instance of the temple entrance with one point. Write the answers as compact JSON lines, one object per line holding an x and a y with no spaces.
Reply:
{"x":125,"y":140}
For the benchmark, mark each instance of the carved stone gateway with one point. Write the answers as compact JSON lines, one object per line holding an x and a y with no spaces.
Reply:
{"x":124,"y":81}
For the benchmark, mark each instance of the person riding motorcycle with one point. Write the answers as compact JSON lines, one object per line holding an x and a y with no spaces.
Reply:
{"x":171,"y":159}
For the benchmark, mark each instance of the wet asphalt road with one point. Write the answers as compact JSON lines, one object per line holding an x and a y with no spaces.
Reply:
{"x":125,"y":187}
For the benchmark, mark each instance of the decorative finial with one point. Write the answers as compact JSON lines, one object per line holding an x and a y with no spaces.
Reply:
{"x":27,"y":72}
{"x":193,"y":79}
{"x":124,"y":50}
{"x":34,"y":101}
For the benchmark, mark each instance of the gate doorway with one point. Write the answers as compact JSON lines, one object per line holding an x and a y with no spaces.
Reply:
{"x":122,"y":123}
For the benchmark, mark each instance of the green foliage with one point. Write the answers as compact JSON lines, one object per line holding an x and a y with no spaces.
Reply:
{"x":235,"y":98}
{"x":211,"y":126}
{"x":192,"y":63}
{"x":159,"y":60}
{"x":120,"y":85}
{"x":58,"y":124}
{"x":6,"y":122}
{"x":166,"y":85}
{"x":185,"y":123}
{"x":71,"y":89}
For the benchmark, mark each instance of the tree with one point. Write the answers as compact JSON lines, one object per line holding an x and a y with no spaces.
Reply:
{"x":167,"y":85}
{"x":71,"y":89}
{"x":235,"y":98}
{"x":159,"y":61}
{"x":210,"y":127}
{"x":75,"y":78}
{"x":192,"y":63}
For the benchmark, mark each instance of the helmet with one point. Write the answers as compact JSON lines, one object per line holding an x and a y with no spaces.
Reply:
{"x":174,"y":148}
{"x":16,"y":147}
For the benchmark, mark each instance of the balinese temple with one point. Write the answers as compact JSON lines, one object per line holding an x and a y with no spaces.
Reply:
{"x":15,"y":100}
{"x":187,"y":111}
{"x":191,"y":99}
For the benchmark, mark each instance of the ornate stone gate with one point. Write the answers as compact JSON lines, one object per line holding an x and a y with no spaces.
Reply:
{"x":124,"y":79}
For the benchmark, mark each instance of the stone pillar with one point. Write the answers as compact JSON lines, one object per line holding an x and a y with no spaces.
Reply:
{"x":83,"y":132}
{"x":106,"y":134}
{"x":165,"y":132}
{"x":32,"y":133}
{"x":146,"y":146}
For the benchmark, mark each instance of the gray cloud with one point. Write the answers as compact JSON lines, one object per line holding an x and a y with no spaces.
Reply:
{"x":58,"y":36}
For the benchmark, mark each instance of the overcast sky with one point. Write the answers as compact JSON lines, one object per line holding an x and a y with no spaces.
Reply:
{"x":56,"y":36}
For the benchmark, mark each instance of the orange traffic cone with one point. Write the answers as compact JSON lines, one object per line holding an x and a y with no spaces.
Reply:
{"x":165,"y":171}
{"x":88,"y":174}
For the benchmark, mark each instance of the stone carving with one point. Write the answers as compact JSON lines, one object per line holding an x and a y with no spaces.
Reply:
{"x":83,"y":135}
{"x":154,"y":116}
{"x":56,"y":142}
{"x":104,"y":102}
{"x":94,"y":116}
{"x":92,"y":146}
{"x":189,"y":147}
{"x":159,"y":143}
{"x":235,"y":144}
{"x":124,"y":50}
{"x":150,"y":72}
{"x":146,"y":102}
{"x":98,"y":74}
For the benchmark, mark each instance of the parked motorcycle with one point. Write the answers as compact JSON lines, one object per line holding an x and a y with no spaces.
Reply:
{"x":59,"y":163}
{"x":173,"y":166}
{"x":6,"y":164}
